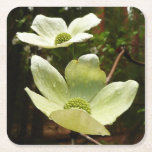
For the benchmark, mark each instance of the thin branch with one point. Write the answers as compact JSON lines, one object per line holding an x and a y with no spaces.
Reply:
{"x":128,"y":56}
{"x":72,"y":141}
{"x":115,"y":64}
{"x":72,"y":134}
{"x":90,"y":139}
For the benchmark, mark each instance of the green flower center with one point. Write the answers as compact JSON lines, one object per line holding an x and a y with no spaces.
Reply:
{"x":62,"y":37}
{"x":78,"y":103}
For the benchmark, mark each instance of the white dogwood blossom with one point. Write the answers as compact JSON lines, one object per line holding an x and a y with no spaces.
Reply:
{"x":54,"y":33}
{"x":83,"y":102}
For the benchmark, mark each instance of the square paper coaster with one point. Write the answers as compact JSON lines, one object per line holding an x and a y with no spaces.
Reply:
{"x":76,"y":76}
{"x":104,"y":80}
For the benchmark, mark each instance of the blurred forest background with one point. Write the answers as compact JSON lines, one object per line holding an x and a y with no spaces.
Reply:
{"x":119,"y":27}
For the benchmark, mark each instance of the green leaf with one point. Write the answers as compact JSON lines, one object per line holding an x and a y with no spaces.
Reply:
{"x":111,"y":50}
{"x":121,"y":41}
{"x":141,"y":110}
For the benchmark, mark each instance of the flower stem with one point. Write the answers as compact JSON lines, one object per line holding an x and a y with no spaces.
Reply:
{"x":72,"y":134}
{"x":73,"y":53}
{"x":72,"y":141}
{"x":115,"y":64}
{"x":90,"y":139}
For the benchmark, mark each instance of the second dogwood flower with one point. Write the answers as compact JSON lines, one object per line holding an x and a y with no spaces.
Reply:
{"x":54,"y":33}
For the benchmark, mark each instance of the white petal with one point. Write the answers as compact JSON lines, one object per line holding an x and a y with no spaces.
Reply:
{"x":42,"y":103}
{"x":49,"y":81}
{"x":81,"y":37}
{"x":80,"y":25}
{"x":77,"y":38}
{"x":84,"y":77}
{"x":34,"y":40}
{"x":79,"y":121}
{"x":113,"y":100}
{"x":48,"y":27}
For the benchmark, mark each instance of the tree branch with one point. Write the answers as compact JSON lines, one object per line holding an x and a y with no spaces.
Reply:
{"x":127,"y":55}
{"x":72,"y":134}
{"x":90,"y":139}
{"x":115,"y":64}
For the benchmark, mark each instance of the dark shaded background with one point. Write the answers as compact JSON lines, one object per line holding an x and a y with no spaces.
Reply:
{"x":119,"y":27}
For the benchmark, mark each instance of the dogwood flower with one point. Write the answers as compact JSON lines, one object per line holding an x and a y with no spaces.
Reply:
{"x":54,"y":33}
{"x":83,"y":103}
